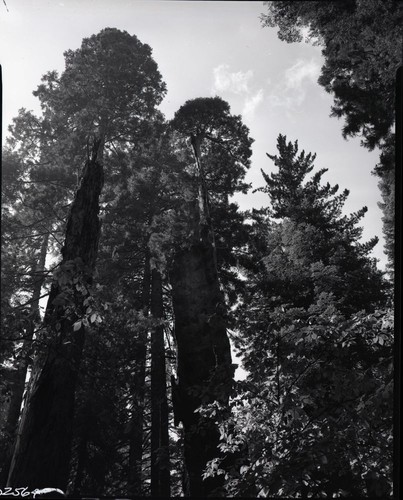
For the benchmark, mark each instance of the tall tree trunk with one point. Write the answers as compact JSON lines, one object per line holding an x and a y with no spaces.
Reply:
{"x":160,"y":468}
{"x":43,"y":446}
{"x":205,"y":370}
{"x":138,"y":391}
{"x":204,"y":358}
{"x":20,"y":374}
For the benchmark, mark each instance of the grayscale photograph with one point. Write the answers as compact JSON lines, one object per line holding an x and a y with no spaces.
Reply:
{"x":198,"y":275}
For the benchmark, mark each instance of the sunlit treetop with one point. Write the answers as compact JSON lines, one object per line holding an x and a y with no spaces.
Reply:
{"x":210,"y":118}
{"x":109,"y":84}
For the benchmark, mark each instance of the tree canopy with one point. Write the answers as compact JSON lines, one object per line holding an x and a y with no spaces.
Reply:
{"x":109,"y":86}
{"x":361,"y":48}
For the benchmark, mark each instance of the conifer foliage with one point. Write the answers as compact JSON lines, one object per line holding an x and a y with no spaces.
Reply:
{"x":316,"y":339}
{"x":361,"y":44}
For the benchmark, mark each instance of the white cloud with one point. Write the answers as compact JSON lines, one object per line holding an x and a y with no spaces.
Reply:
{"x":290,"y":92}
{"x":300,"y":71}
{"x":251,"y":103}
{"x":224,"y":80}
{"x":240,"y":84}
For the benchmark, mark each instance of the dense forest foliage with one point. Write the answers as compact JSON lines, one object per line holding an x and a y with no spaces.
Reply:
{"x":124,"y":225}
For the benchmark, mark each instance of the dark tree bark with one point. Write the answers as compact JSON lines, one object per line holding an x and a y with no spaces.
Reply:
{"x":43,"y":446}
{"x":16,"y":380}
{"x":204,"y":358}
{"x":138,"y":391}
{"x":82,"y":459}
{"x":205,"y":371}
{"x":160,"y":468}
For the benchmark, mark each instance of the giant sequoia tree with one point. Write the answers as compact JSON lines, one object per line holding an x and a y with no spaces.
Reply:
{"x":110,"y":85}
{"x":41,"y":455}
{"x":204,"y":358}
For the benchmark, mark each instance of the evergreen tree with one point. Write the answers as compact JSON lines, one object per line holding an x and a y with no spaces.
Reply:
{"x":33,"y":201}
{"x":204,"y":359}
{"x":315,"y":248}
{"x":138,"y":320}
{"x":316,"y":339}
{"x":361,"y":42}
{"x":385,"y":170}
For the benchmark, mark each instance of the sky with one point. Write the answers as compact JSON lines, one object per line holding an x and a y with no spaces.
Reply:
{"x":202,"y":49}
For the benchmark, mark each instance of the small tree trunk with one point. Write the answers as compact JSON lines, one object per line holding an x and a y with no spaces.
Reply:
{"x":42,"y":451}
{"x":160,"y":468}
{"x":138,"y":391}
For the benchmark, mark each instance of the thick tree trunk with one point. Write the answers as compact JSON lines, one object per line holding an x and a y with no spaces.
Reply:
{"x":20,"y":373}
{"x":42,"y":451}
{"x":205,"y":371}
{"x":204,"y":358}
{"x":160,"y":468}
{"x":138,"y":391}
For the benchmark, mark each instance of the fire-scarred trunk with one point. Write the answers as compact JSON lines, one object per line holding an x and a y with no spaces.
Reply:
{"x":205,"y":371}
{"x":42,"y":451}
{"x":204,"y":358}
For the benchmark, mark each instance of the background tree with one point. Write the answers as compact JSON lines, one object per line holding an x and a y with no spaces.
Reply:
{"x":362,"y":50}
{"x":33,"y":203}
{"x":160,"y":468}
{"x":316,"y":243}
{"x":314,"y":359}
